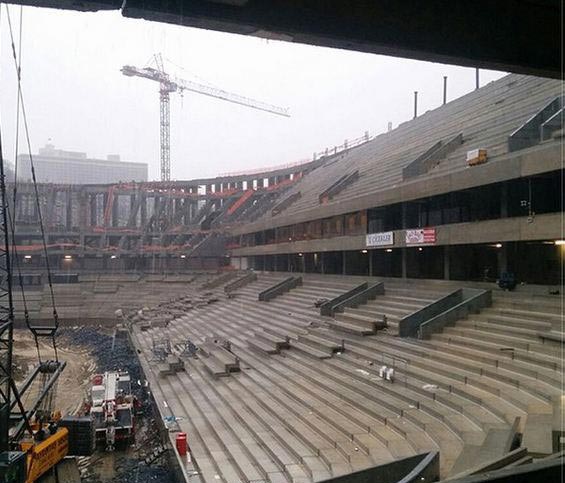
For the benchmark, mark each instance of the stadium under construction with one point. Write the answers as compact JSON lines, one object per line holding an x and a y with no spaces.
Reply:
{"x":392,"y":305}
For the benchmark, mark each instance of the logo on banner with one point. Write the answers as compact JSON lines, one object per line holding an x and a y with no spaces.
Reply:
{"x":380,"y":239}
{"x":420,"y":236}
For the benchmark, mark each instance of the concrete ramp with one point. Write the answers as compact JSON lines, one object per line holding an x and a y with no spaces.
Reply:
{"x":496,"y":447}
{"x":537,"y":434}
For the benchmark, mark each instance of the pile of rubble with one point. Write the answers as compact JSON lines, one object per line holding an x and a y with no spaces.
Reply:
{"x":112,"y":351}
{"x":162,"y":314}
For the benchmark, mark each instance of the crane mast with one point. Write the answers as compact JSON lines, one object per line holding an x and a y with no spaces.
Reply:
{"x":169,"y":84}
{"x":6,"y":316}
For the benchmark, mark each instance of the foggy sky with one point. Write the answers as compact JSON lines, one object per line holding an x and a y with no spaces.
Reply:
{"x":76,"y":96}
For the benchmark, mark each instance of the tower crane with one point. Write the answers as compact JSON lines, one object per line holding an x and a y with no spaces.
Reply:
{"x":169,"y":84}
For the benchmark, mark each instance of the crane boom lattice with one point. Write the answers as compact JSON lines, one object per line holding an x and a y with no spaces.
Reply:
{"x":170,"y":84}
{"x":6,"y":317}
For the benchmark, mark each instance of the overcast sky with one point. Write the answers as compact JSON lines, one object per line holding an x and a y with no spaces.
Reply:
{"x":76,"y":96}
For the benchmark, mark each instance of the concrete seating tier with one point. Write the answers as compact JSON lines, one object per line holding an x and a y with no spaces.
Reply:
{"x":396,"y":303}
{"x":308,"y":402}
{"x":236,"y":332}
{"x":519,"y":97}
{"x":91,"y":301}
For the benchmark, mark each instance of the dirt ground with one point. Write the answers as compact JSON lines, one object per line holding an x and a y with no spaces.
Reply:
{"x":87,"y":351}
{"x":72,"y":383}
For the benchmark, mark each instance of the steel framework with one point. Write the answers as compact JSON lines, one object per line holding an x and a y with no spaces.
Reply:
{"x":6,"y":316}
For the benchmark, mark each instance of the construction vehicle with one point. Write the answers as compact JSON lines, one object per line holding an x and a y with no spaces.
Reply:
{"x":112,"y":408}
{"x":31,"y":441}
{"x":169,"y":84}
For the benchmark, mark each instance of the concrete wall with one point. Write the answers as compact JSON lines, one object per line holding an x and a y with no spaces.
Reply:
{"x":542,"y":227}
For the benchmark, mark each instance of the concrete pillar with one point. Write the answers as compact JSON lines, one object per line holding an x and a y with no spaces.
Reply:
{"x":114,"y":221}
{"x":186,"y":211}
{"x":93,"y":210}
{"x":83,"y":210}
{"x":193,"y":210}
{"x":143,"y":209}
{"x":343,"y":263}
{"x":322,"y":263}
{"x":504,"y":200}
{"x":446,"y":251}
{"x":69,"y":210}
{"x":502,"y":258}
{"x":370,"y":255}
{"x":403,"y":254}
{"x":404,"y":221}
{"x":132,"y":199}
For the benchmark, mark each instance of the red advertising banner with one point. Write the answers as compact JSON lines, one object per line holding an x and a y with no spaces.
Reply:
{"x":420,"y":236}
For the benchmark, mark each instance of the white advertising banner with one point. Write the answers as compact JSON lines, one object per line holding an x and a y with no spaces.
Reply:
{"x":380,"y":239}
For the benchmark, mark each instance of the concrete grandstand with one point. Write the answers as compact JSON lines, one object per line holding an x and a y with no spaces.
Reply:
{"x":325,"y":215}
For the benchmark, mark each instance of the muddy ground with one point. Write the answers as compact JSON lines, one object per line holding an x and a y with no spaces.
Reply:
{"x":87,"y":351}
{"x":73,"y":382}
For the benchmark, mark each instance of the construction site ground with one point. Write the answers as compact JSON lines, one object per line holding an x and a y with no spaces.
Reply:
{"x":87,"y":351}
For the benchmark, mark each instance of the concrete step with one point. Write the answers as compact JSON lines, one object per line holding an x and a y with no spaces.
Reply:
{"x":309,"y":350}
{"x":512,"y":363}
{"x":499,"y":329}
{"x":375,"y":314}
{"x":277,"y":341}
{"x":350,"y":328}
{"x":263,"y":346}
{"x":485,"y":316}
{"x":524,"y":313}
{"x":320,"y":343}
{"x":496,"y":343}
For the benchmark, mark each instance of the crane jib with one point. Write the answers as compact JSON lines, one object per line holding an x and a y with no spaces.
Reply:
{"x":168,"y":85}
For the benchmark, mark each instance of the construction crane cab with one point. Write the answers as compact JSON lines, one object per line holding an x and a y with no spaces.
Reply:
{"x":36,"y":440}
{"x":36,"y":455}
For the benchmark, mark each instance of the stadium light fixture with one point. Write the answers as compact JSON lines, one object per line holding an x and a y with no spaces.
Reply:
{"x":68,"y":257}
{"x":498,"y":245}
{"x":363,"y":251}
{"x":420,"y":249}
{"x":559,"y":242}
{"x":113,"y":257}
{"x":183,"y":256}
{"x":389,"y":250}
{"x":300,"y":254}
{"x":27,"y":257}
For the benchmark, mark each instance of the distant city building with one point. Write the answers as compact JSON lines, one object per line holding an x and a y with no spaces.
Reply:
{"x":70,"y":167}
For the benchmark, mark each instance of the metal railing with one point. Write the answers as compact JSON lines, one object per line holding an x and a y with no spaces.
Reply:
{"x":279,"y":288}
{"x":328,"y":308}
{"x":360,"y":298}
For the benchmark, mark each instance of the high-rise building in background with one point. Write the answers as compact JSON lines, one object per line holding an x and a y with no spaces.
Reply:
{"x":59,"y":166}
